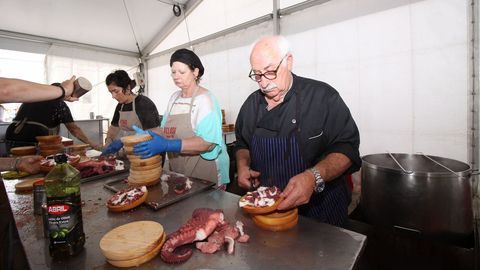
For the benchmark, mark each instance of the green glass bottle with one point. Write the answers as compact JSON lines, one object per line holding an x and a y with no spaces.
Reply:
{"x":64,"y":207}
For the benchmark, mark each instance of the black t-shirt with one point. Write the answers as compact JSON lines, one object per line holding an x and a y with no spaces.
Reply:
{"x":48,"y":113}
{"x":324,"y":121}
{"x":146,"y":111}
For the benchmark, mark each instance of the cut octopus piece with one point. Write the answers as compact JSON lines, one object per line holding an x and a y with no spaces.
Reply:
{"x":204,"y":224}
{"x":225,"y":233}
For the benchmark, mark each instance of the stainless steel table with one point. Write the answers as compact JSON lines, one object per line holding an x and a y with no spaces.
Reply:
{"x":310,"y":245}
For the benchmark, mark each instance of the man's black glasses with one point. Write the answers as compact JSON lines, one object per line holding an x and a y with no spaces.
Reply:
{"x":269,"y":75}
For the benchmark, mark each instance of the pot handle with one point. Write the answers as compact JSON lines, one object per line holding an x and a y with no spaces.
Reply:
{"x":399,"y":165}
{"x":441,"y":165}
{"x":475,"y":172}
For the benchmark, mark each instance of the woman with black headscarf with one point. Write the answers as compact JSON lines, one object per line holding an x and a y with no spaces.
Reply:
{"x":192,"y":126}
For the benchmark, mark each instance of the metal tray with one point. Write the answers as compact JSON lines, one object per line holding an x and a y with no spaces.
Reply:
{"x":101,"y":176}
{"x":161,"y":194}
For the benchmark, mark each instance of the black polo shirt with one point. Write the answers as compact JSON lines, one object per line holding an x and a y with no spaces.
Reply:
{"x":311,"y":109}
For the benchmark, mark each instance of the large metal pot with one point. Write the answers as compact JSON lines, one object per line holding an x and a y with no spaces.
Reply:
{"x":426,"y":194}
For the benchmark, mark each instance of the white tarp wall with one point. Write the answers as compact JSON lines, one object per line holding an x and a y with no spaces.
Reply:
{"x":61,"y":62}
{"x":401,"y":66}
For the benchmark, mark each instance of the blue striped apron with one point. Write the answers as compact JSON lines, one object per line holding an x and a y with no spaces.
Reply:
{"x":279,"y":158}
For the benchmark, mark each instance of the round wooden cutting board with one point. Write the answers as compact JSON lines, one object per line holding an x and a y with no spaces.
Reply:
{"x":26,"y":185}
{"x":142,"y":259}
{"x":132,"y":240}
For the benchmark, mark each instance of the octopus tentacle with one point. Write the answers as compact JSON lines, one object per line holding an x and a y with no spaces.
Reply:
{"x":199,"y":227}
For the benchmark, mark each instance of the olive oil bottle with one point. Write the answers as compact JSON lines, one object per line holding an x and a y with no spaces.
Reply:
{"x":64,"y":207}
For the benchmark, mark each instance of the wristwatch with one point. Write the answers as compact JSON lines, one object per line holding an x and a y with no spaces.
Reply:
{"x":319,"y":182}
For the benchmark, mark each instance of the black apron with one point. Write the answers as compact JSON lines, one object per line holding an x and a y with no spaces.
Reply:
{"x":280,"y":158}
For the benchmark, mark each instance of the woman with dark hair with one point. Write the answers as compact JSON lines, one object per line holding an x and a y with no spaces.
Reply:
{"x":131,"y":110}
{"x":192,"y":126}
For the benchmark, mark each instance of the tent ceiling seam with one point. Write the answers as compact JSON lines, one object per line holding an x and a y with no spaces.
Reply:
{"x":233,"y":29}
{"x":60,"y":42}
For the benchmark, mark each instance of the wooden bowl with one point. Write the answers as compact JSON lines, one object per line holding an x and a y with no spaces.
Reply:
{"x":49,"y":139}
{"x":23,"y":151}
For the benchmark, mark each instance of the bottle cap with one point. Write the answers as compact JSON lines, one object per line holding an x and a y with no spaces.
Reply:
{"x":81,"y":86}
{"x":61,"y":158}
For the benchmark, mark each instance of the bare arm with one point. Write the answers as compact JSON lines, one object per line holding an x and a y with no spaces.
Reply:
{"x":111,"y":134}
{"x":14,"y":90}
{"x":195,"y":145}
{"x":30,"y":164}
{"x":300,"y":187}
{"x":78,"y":133}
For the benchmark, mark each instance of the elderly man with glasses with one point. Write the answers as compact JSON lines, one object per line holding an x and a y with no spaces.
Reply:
{"x":297,"y":134}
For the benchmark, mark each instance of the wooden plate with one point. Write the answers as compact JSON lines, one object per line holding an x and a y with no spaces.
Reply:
{"x":26,"y":185}
{"x":143,"y":181}
{"x":153,"y":171}
{"x":272,"y":219}
{"x":49,"y":147}
{"x":134,"y":139}
{"x":121,"y":208}
{"x":146,"y":167}
{"x":131,"y":240}
{"x":23,"y":150}
{"x":261,"y":210}
{"x":145,"y":162}
{"x":49,"y":139}
{"x":142,"y":259}
{"x":276,"y":228}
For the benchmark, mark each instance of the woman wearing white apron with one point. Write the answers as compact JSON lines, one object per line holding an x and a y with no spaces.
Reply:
{"x":192,"y":126}
{"x":131,"y":110}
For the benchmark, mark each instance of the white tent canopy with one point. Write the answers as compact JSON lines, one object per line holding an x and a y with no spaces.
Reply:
{"x":405,"y":68}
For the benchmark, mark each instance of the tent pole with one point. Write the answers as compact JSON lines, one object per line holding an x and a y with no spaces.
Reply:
{"x":276,"y":21}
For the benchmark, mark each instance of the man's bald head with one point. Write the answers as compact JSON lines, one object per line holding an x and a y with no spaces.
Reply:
{"x":271,"y":47}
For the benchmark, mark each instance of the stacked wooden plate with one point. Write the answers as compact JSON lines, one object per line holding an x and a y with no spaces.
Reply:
{"x":133,"y":244}
{"x":23,"y":151}
{"x":77,"y":149}
{"x":50,"y":144}
{"x":143,"y":172}
{"x":277,"y":220}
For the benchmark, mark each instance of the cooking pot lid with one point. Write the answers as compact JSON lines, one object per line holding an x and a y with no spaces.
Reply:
{"x":415,"y":163}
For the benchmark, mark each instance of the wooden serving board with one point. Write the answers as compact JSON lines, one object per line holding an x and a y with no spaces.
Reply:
{"x":131,"y":240}
{"x":26,"y":185}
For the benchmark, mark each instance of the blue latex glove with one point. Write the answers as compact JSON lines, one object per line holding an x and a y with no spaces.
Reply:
{"x":112,"y":148}
{"x":138,"y":131}
{"x":157,"y":145}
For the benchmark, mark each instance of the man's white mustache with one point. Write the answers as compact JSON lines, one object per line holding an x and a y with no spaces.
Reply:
{"x":269,"y":88}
